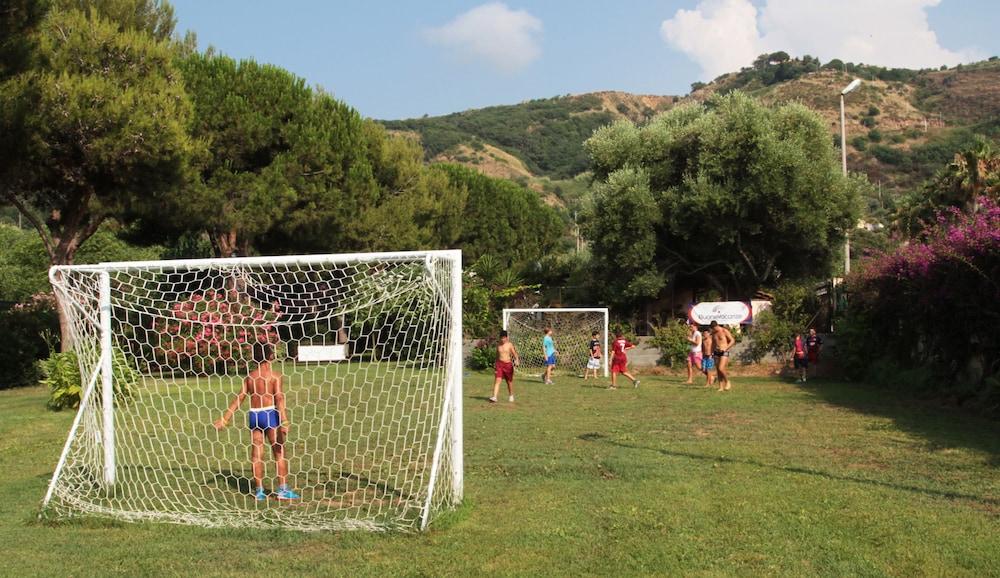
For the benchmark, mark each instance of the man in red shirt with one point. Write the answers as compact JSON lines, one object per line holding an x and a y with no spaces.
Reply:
{"x":619,"y":360}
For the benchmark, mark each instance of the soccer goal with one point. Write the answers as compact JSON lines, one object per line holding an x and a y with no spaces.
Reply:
{"x":369,"y":347}
{"x":572,"y":328}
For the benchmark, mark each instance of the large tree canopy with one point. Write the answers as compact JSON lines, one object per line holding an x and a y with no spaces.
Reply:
{"x":731,"y":193}
{"x":98,"y":120}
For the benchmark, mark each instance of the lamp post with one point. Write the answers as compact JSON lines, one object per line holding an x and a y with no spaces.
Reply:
{"x":843,"y":160}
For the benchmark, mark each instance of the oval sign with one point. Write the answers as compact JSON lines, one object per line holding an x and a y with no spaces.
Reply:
{"x":725,"y":312}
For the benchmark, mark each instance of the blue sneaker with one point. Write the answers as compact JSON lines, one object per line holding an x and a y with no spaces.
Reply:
{"x":261,"y":495}
{"x":286,"y":494}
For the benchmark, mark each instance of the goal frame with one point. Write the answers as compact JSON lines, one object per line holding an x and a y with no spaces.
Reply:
{"x":104,"y":368}
{"x":601,"y":310}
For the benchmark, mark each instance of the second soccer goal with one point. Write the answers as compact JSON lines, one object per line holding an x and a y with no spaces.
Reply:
{"x":572,"y":331}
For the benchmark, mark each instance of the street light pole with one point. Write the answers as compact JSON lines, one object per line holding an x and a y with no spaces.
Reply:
{"x":843,"y":161}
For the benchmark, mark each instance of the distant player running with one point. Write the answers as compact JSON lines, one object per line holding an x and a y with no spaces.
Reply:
{"x":503,"y":369}
{"x":619,"y":360}
{"x":722,"y":342}
{"x":549,"y":352}
{"x":267,"y":417}
{"x":594,"y":361}
{"x":814,"y":343}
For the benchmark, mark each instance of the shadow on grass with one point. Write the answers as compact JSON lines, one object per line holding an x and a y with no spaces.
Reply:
{"x":601,"y":438}
{"x":943,"y":428}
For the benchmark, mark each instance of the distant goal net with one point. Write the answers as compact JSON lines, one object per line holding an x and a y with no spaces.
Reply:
{"x":572,"y":331}
{"x":370,"y":353}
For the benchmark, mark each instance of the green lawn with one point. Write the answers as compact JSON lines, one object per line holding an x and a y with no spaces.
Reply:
{"x":773,"y":478}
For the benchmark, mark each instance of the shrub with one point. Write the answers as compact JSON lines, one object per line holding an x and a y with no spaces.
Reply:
{"x":484,"y":353}
{"x":671,"y":340}
{"x":860,"y":143}
{"x":939,"y":293}
{"x":875,"y":135}
{"x":210,"y":331}
{"x":62,"y":375}
{"x":769,"y":335}
{"x":26,"y":328}
{"x":868,"y":122}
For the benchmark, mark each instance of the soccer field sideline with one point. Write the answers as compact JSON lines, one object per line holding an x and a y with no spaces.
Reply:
{"x":573,"y":479}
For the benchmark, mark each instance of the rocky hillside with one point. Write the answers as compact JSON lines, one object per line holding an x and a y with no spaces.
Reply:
{"x":903,"y":125}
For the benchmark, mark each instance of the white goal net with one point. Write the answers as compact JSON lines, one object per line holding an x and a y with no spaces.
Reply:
{"x":572,"y":331}
{"x":368,"y":349}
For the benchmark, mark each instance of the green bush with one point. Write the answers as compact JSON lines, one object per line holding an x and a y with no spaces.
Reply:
{"x":484,"y":354}
{"x":62,"y":376}
{"x":860,"y":143}
{"x":61,"y":373}
{"x":671,"y":340}
{"x":868,"y":122}
{"x":26,"y":327}
{"x":875,"y":135}
{"x":769,"y":335}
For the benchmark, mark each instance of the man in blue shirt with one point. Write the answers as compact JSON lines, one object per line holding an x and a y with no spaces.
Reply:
{"x":549,"y":352}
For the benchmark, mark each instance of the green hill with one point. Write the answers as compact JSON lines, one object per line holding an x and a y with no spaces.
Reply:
{"x":903,"y":125}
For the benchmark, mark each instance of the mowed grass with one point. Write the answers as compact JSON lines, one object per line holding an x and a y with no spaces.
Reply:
{"x":772,"y":478}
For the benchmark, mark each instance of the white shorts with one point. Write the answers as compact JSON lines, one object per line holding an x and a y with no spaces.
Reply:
{"x":594,"y":363}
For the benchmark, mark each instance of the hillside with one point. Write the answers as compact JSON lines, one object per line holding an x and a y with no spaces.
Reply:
{"x":902,"y":125}
{"x":545,"y":134}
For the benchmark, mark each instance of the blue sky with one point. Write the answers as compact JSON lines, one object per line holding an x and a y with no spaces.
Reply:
{"x":404,"y":59}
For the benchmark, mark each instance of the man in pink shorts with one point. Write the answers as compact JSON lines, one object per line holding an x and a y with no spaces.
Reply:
{"x":694,"y":355}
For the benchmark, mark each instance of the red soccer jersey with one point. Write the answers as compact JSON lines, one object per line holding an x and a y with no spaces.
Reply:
{"x":618,"y":347}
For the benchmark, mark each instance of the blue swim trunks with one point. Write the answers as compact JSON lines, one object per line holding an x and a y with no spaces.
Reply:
{"x":707,"y":363}
{"x":263,"y":418}
{"x":550,"y":360}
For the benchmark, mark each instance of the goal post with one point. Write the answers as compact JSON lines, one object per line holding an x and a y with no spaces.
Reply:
{"x":572,"y":328}
{"x":368,"y":348}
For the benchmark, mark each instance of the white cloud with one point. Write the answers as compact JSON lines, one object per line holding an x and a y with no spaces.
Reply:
{"x":507,"y":39}
{"x":718,"y":35}
{"x":723,"y":35}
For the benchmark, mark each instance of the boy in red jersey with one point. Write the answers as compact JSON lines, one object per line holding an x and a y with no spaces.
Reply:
{"x":619,"y":360}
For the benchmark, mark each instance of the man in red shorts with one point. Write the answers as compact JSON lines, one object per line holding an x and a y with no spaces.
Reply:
{"x":619,"y":360}
{"x":507,"y":358}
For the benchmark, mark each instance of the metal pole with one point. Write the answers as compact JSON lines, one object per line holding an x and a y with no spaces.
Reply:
{"x":457,"y":444}
{"x":843,"y":162}
{"x":107,"y":380}
{"x":605,"y":353}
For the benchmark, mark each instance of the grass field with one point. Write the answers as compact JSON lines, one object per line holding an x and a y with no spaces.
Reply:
{"x":773,"y":478}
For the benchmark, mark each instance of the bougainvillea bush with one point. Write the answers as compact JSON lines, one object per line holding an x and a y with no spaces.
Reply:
{"x":935,"y":302}
{"x":208,"y":332}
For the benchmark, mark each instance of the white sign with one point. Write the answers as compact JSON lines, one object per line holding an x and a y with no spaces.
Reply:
{"x":724,"y":312}
{"x":322,"y":352}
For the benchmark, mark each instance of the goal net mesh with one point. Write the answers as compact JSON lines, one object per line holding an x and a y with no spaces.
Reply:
{"x":571,"y":331}
{"x":371,"y":424}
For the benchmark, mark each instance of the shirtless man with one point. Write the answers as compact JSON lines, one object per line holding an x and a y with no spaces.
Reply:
{"x":267,"y":418}
{"x":722,"y":342}
{"x":707,"y":361}
{"x":694,"y":355}
{"x":503,"y":369}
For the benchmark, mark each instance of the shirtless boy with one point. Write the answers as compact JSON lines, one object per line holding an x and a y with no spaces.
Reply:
{"x":707,"y":361}
{"x":267,"y":418}
{"x":722,"y":342}
{"x":694,"y":355}
{"x":507,"y":358}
